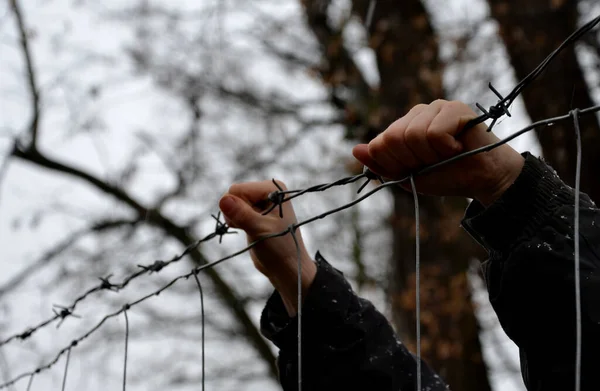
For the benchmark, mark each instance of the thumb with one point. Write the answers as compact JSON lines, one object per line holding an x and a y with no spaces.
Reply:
{"x":239,"y":214}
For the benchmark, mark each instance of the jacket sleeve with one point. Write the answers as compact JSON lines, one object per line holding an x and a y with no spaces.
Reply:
{"x":529,"y":233}
{"x":346,"y":343}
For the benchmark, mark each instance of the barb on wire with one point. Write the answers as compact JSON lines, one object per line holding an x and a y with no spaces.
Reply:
{"x":105,"y":284}
{"x":278,"y":197}
{"x":543,"y":123}
{"x":370,"y":175}
{"x":221,"y":229}
{"x":575,"y":115}
{"x":63,"y":313}
{"x":501,"y":108}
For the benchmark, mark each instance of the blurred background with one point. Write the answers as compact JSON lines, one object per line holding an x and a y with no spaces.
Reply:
{"x":122,"y":123}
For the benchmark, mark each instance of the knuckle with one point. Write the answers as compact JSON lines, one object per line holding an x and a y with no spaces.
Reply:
{"x":435,"y":133}
{"x":413,"y":133}
{"x":455,"y":105}
{"x":391,"y":136}
{"x":376,"y":145}
{"x":235,"y":188}
{"x":419,"y":107}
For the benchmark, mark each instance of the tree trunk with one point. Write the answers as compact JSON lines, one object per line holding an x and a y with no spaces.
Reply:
{"x":531,"y":30}
{"x":407,"y":59}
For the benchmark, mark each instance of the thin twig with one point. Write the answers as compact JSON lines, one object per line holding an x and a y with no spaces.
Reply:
{"x":297,"y":225}
{"x":31,"y":76}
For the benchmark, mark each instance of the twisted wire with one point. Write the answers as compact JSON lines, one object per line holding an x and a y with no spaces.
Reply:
{"x":501,"y":108}
{"x":297,"y":225}
{"x":280,"y":196}
{"x":221,"y":229}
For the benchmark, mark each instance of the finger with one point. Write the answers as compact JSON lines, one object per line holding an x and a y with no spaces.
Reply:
{"x":384,"y":159}
{"x":415,"y":136}
{"x":388,"y":149}
{"x":361,"y":153}
{"x":445,"y":127}
{"x":239,"y":214}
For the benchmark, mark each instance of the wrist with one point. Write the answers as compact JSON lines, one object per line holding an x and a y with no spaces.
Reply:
{"x":506,"y":165}
{"x":285,"y":281}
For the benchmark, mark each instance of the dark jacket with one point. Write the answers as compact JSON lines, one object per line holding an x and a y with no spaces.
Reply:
{"x":528,"y":232}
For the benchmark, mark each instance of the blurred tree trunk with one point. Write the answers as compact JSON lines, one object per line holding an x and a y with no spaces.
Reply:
{"x":407,"y":59}
{"x":530,"y":32}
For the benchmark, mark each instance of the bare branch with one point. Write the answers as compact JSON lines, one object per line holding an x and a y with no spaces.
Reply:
{"x":57,"y":250}
{"x":181,"y":234}
{"x":340,"y":72}
{"x":31,"y":76}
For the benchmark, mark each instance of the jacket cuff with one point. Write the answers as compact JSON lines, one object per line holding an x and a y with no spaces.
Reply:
{"x":326,"y":303}
{"x":521,"y":210}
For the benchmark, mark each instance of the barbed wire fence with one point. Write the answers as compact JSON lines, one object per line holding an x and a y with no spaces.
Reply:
{"x":277,"y":198}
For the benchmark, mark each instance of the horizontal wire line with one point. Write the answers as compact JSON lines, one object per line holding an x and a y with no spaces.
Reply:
{"x":295,"y":226}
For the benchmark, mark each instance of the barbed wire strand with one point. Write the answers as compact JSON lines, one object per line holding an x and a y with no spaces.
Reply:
{"x":495,"y":112}
{"x":575,"y":114}
{"x":501,"y":108}
{"x":221,"y":229}
{"x":417,"y":277}
{"x":64,"y":382}
{"x":277,"y":197}
{"x":297,"y":225}
{"x":125,"y":308}
{"x":203,"y":325}
{"x":299,"y":305}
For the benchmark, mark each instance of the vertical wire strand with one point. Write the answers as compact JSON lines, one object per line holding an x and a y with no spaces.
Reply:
{"x":575,"y":114}
{"x":417,"y":278}
{"x":299,"y":312}
{"x":64,"y":383}
{"x":370,"y":13}
{"x":126,"y":347}
{"x":202,"y":315}
{"x":30,"y":382}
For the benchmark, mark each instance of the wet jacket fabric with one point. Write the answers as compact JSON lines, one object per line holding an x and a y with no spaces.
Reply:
{"x":528,"y":232}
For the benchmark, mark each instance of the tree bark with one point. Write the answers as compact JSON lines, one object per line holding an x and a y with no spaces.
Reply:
{"x":411,"y":73}
{"x":531,"y":30}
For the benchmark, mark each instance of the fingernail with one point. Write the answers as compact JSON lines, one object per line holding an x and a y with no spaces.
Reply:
{"x":227,"y":205}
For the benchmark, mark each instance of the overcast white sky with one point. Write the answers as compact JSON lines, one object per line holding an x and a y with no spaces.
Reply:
{"x":75,"y":47}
